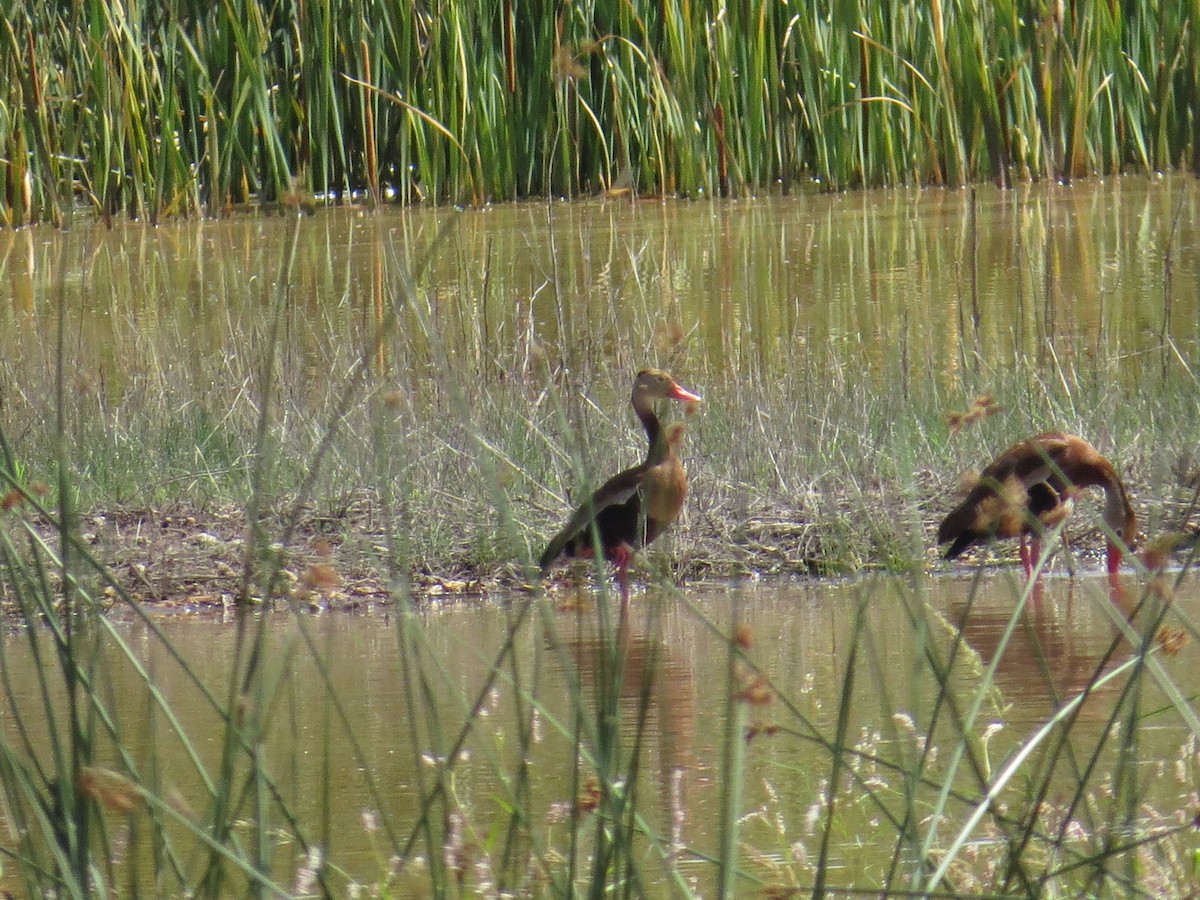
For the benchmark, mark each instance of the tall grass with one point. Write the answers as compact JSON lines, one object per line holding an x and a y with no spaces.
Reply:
{"x":90,"y":808}
{"x":831,"y":347}
{"x":189,"y":108}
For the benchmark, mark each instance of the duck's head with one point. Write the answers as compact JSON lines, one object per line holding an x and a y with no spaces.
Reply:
{"x":655,"y":384}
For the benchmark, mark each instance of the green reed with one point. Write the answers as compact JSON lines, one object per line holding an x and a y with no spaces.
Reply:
{"x":810,"y":455}
{"x":94,"y":812}
{"x":191,"y":107}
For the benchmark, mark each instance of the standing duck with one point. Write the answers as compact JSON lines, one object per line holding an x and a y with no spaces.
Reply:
{"x":632,"y":508}
{"x":1030,"y":488}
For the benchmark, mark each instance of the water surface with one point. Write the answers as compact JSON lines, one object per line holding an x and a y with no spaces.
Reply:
{"x":946,"y":274}
{"x":672,"y":708}
{"x":166,"y":337}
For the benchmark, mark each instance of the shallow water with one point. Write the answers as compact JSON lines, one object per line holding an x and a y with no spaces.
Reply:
{"x":170,"y":325}
{"x":947,"y":276}
{"x":672,"y":707}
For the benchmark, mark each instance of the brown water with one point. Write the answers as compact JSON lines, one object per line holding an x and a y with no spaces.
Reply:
{"x":675,"y":665}
{"x":942,"y":274}
{"x":164,"y":321}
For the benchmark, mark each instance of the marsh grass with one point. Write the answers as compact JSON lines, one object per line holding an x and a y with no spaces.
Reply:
{"x":196,"y":109}
{"x":908,"y":758}
{"x":823,"y":446}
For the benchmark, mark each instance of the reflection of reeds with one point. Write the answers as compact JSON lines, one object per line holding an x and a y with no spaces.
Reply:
{"x":1063,"y":812}
{"x":824,"y":449}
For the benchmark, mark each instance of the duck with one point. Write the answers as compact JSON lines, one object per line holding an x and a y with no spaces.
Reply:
{"x":635,"y":506}
{"x":1029,"y":489}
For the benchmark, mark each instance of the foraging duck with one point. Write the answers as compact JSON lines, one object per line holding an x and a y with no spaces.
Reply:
{"x":632,"y":508}
{"x":1030,"y":488}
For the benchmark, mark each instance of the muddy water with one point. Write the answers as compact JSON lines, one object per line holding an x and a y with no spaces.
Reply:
{"x":176,"y":318}
{"x":672,"y":708}
{"x":943,"y":275}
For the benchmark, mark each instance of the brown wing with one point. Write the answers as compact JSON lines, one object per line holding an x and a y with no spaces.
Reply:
{"x":618,"y":490}
{"x":1008,"y":492}
{"x":1036,"y":459}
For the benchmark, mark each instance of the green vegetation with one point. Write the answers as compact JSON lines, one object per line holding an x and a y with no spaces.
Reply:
{"x":1057,"y":813}
{"x":462,"y":440}
{"x":159,"y":110}
{"x":823,"y":445}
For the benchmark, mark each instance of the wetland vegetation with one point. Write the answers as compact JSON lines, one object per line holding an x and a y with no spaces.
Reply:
{"x":405,"y":404}
{"x":824,"y":445}
{"x":246,"y":457}
{"x":156,"y":111}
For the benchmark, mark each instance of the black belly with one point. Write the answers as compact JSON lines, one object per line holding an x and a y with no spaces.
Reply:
{"x":619,"y":524}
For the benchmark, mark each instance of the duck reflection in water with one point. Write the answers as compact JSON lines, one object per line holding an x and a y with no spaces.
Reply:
{"x":644,"y":696}
{"x":1062,"y":644}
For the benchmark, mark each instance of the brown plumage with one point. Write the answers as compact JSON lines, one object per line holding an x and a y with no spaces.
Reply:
{"x":632,"y":508}
{"x":1030,"y":488}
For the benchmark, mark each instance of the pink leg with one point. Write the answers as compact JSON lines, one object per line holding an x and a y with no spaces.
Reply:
{"x":1029,"y":556}
{"x":1026,"y":562}
{"x":1113,"y":559}
{"x":621,"y":558}
{"x":1114,"y":578}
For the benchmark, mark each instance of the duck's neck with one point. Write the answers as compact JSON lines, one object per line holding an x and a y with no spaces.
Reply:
{"x":1119,"y":517}
{"x":1116,"y":506}
{"x":655,"y":445}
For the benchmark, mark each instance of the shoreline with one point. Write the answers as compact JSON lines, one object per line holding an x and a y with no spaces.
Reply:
{"x":180,"y":557}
